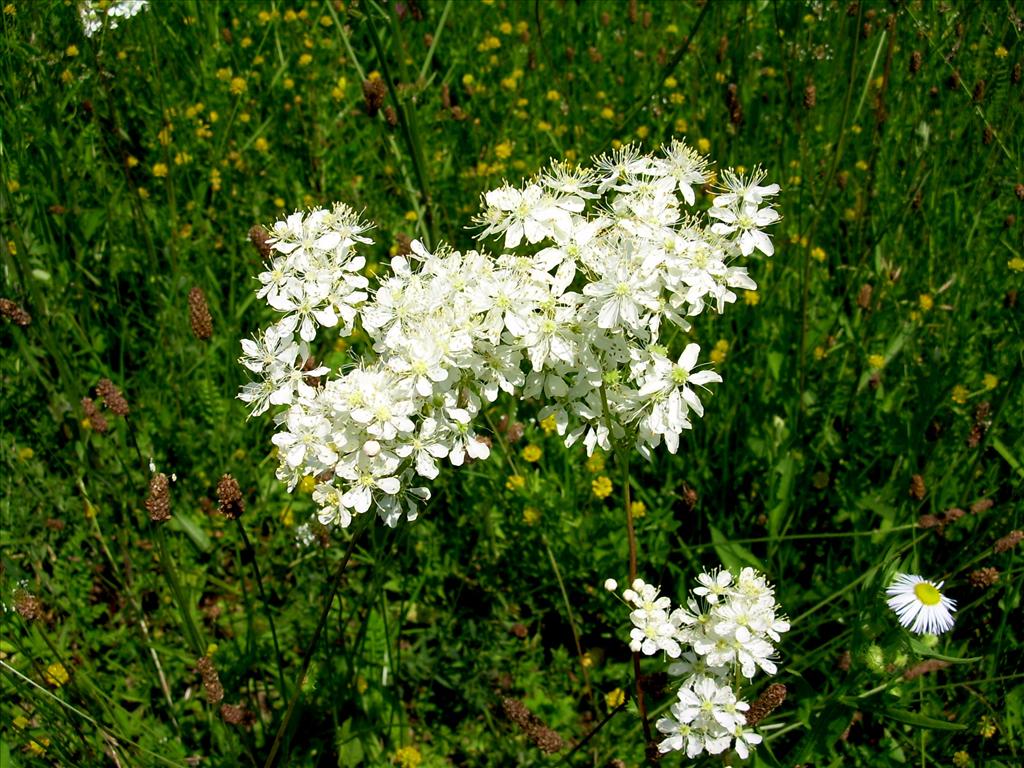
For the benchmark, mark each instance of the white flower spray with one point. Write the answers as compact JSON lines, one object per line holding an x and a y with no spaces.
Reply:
{"x":586,"y":306}
{"x":723,"y":636}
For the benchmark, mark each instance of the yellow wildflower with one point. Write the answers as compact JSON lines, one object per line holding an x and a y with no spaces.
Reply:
{"x":703,"y":145}
{"x":56,"y":675}
{"x":959,"y":394}
{"x":326,"y":21}
{"x":877,"y":362}
{"x":10,"y":10}
{"x":608,"y":113}
{"x":819,"y":352}
{"x":601,"y":486}
{"x":143,"y":193}
{"x":719,"y":352}
{"x":261,"y":145}
{"x":238,"y":85}
{"x":961,"y":759}
{"x":279,"y":202}
{"x":615,"y":698}
{"x":307,"y":484}
{"x":751,"y":298}
{"x":549,"y":424}
{"x":989,"y":381}
{"x":595,"y":463}
{"x":1016,"y":264}
{"x":642,"y":132}
{"x":818,"y":253}
{"x":532,"y":453}
{"x":411,"y":216}
{"x":554,"y":95}
{"x":26,"y":453}
{"x":531,"y":515}
{"x":1001,"y":52}
{"x":13,"y":186}
{"x":408,"y":757}
{"x":926,"y":301}
{"x":305,"y":59}
{"x":503,"y":150}
{"x":66,"y":77}
{"x":638,"y":508}
{"x":515,"y":482}
{"x":505,"y":28}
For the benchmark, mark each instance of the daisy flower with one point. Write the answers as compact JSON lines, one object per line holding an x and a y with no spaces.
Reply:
{"x":919,"y":604}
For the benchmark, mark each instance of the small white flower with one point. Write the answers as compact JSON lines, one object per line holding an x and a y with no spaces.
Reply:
{"x":920,"y":605}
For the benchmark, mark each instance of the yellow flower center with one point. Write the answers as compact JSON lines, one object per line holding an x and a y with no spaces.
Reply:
{"x":926,"y":593}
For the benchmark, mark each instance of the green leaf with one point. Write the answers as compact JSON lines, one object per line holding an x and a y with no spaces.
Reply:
{"x":182,"y":523}
{"x":90,"y":221}
{"x":350,"y":749}
{"x":919,"y":720}
{"x":733,"y":556}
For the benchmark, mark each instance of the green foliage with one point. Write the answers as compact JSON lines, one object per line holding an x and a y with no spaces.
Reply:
{"x":884,"y":344}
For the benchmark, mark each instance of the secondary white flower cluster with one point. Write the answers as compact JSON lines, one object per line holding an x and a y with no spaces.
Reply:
{"x":93,"y":14}
{"x":576,"y":314}
{"x":726,"y":631}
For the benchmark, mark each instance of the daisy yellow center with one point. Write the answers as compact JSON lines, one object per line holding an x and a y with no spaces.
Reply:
{"x":927,"y":594}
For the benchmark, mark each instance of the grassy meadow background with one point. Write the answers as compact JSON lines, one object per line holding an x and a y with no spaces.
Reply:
{"x":872,"y":385}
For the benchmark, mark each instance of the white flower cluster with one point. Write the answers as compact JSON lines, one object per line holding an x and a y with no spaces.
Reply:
{"x":725,"y":631}
{"x":93,"y":14}
{"x":574,"y":314}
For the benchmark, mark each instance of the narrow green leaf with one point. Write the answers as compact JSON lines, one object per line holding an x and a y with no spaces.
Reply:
{"x":733,"y":556}
{"x":919,"y":720}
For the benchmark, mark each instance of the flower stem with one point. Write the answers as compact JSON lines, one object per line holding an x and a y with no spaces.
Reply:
{"x":308,"y":656}
{"x":251,"y":556}
{"x":170,"y":572}
{"x":407,"y":122}
{"x":621,"y":450}
{"x":572,"y":621}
